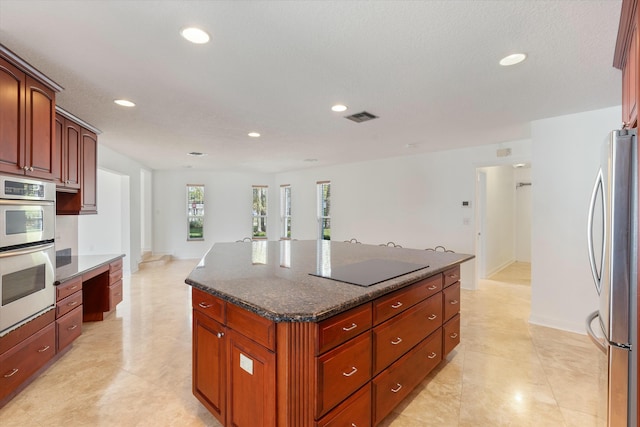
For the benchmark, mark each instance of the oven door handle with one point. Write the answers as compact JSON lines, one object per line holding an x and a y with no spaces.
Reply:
{"x":26,"y":202}
{"x":25,"y":251}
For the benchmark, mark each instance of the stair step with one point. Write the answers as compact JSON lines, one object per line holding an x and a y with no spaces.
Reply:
{"x":154,"y":261}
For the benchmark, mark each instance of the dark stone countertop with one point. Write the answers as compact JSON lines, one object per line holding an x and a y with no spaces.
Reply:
{"x":73,"y":266}
{"x":271,"y":278}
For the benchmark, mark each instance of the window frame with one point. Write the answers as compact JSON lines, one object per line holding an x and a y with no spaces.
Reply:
{"x":322,"y":218}
{"x":285,"y":212}
{"x":255,"y":216}
{"x":195,"y":215}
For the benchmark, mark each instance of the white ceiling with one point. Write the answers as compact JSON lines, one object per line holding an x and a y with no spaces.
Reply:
{"x":428,"y":69}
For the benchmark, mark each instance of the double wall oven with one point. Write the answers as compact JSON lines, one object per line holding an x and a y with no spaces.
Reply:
{"x":27,"y":251}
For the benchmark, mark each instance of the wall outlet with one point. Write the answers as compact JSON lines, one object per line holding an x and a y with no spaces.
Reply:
{"x":466,"y":204}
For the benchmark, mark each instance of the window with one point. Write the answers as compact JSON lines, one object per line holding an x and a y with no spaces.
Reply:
{"x":324,"y":210}
{"x":260,"y":211}
{"x":195,"y":211}
{"x":285,"y":210}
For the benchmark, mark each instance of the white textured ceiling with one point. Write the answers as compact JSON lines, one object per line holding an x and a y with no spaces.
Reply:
{"x":428,"y":69}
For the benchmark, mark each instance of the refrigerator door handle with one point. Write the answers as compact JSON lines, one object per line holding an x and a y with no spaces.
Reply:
{"x":592,"y":206}
{"x":599,"y":342}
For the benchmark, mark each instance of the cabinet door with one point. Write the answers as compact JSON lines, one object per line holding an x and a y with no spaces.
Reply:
{"x":12,"y":118}
{"x":630,"y":82}
{"x":88,"y":189}
{"x":58,"y":153}
{"x":251,"y":383}
{"x":209,"y":362}
{"x":40,"y":129}
{"x":72,"y":168}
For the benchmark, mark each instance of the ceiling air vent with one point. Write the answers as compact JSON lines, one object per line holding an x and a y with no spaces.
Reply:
{"x":361,"y":117}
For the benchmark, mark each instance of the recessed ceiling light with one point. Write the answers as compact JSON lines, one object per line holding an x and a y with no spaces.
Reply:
{"x":195,"y":35}
{"x":338,"y":108}
{"x":254,"y":134}
{"x":514,"y":59}
{"x":124,"y":103}
{"x":196,"y":154}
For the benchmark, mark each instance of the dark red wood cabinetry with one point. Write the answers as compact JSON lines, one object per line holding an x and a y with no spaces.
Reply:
{"x":67,"y":166}
{"x":626,"y":58}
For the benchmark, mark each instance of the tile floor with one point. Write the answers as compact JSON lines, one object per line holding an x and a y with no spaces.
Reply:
{"x":134,"y":369}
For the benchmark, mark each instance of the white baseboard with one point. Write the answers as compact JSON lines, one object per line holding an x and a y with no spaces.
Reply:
{"x":562,"y":324}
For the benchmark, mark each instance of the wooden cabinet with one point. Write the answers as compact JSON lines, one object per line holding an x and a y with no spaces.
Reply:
{"x":626,"y":58}
{"x":27,"y":122}
{"x":68,"y":312}
{"x":115,"y":284}
{"x":67,"y":165}
{"x":102,"y":290}
{"x":355,"y":411}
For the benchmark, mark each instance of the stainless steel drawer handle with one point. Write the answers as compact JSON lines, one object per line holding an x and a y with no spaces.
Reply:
{"x":453,"y":276}
{"x":350,"y":328}
{"x":353,"y":425}
{"x":397,"y":389}
{"x":205,"y":305}
{"x":220,"y":334}
{"x":43,"y":349}
{"x":453,"y":336}
{"x":433,"y":287}
{"x":397,"y":341}
{"x":432,"y":317}
{"x":453,"y":302}
{"x":73,"y":287}
{"x":396,"y":305}
{"x":72,"y":303}
{"x":12,"y":373}
{"x":71,"y":328}
{"x":432,"y":355}
{"x":353,"y":371}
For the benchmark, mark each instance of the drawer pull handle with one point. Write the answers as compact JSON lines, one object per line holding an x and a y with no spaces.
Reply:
{"x":353,"y":371}
{"x":43,"y":349}
{"x":220,"y":334}
{"x":432,"y":355}
{"x":432,"y":317}
{"x":397,"y":341}
{"x":453,"y":302}
{"x":353,"y":425}
{"x":397,"y":389}
{"x":12,"y":373}
{"x":433,"y":287}
{"x":396,"y":305}
{"x":72,"y":303}
{"x":453,"y":276}
{"x":350,"y":328}
{"x":205,"y":305}
{"x":71,"y":328}
{"x":73,"y":287}
{"x":453,"y":336}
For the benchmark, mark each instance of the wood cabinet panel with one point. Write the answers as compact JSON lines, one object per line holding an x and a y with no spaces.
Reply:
{"x":68,"y":328}
{"x":115,"y":266}
{"x":388,"y":306}
{"x":451,"y":301}
{"x":12,"y":119}
{"x":355,"y":411}
{"x":342,"y":371}
{"x":88,"y":184}
{"x":395,"y":337}
{"x":40,"y":129}
{"x":67,"y":167}
{"x":251,"y":383}
{"x":341,"y":328}
{"x":257,"y":328}
{"x":451,"y":276}
{"x":209,"y":364}
{"x":115,"y":295}
{"x":24,"y":359}
{"x":69,"y":303}
{"x":67,"y":288}
{"x":451,"y":335}
{"x":209,"y":305}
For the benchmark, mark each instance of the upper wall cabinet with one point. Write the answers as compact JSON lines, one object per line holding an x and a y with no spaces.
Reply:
{"x":66,"y":172}
{"x":626,"y":59}
{"x":27,"y":118}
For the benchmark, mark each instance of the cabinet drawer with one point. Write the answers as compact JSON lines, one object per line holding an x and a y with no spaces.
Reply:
{"x":208,"y":305}
{"x":355,"y":411}
{"x":340,"y":328}
{"x":388,"y":306}
{"x":342,"y":371}
{"x":115,"y":265}
{"x":257,"y":328}
{"x":69,"y":327}
{"x":451,"y":335}
{"x":22,"y":360}
{"x":115,"y":295}
{"x":451,"y":300}
{"x":67,"y":304}
{"x":67,"y":288}
{"x":395,"y":337}
{"x":115,"y":276}
{"x":395,"y":383}
{"x":451,"y":276}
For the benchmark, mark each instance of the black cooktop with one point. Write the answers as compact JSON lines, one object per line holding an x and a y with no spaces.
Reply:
{"x":370,"y":272}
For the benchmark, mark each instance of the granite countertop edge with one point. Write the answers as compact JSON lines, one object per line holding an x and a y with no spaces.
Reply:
{"x":100,"y":260}
{"x":375,"y":292}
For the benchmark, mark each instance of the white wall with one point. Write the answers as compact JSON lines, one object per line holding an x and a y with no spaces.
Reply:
{"x":67,"y":233}
{"x":228,"y":201}
{"x":523,"y":215}
{"x":566,"y":155}
{"x":146,"y":210}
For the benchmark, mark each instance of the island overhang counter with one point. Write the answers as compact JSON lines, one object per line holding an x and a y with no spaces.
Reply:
{"x":276,"y":344}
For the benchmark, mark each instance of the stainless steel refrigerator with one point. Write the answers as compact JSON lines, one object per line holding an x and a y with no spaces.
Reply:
{"x":613,"y":254}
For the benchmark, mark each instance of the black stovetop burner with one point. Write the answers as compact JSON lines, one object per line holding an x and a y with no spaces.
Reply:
{"x":370,"y":272}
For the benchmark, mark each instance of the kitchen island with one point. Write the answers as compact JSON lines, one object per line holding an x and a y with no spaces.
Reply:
{"x":277,"y":341}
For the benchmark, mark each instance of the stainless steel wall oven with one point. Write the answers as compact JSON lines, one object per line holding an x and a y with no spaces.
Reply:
{"x":27,"y":251}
